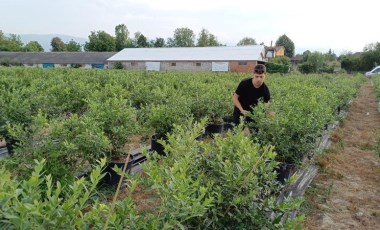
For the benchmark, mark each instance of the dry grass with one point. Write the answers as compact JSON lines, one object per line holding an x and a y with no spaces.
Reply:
{"x":350,"y":171}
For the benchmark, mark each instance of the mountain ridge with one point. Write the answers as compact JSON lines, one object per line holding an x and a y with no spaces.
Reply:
{"x":45,"y":39}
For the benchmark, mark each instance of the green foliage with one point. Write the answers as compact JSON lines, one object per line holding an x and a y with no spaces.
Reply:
{"x":71,"y":117}
{"x":39,"y":203}
{"x":316,"y":62}
{"x":229,"y":183}
{"x":100,"y":41}
{"x":246,"y":41}
{"x":307,"y":67}
{"x":364,"y":61}
{"x":376,"y":83}
{"x":33,"y":46}
{"x":301,"y":115}
{"x":67,"y":144}
{"x":57,"y":45}
{"x":286,"y":42}
{"x":182,"y":37}
{"x":118,"y":65}
{"x":349,"y":62}
{"x":121,"y":37}
{"x":9,"y":62}
{"x":215,"y":111}
{"x":73,"y":46}
{"x":162,"y":117}
{"x":283,"y":60}
{"x":11,"y":43}
{"x":141,"y":41}
{"x":370,"y":57}
{"x":207,"y":39}
{"x":273,"y":67}
{"x":117,"y":118}
{"x":159,"y":42}
{"x":278,"y":65}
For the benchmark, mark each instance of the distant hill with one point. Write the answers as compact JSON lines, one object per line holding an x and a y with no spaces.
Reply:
{"x":45,"y":39}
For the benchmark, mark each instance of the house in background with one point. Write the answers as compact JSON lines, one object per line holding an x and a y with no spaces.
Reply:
{"x":221,"y":58}
{"x":274,"y":51}
{"x":58,"y":59}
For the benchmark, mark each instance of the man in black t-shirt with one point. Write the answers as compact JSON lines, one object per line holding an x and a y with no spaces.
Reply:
{"x":249,"y":92}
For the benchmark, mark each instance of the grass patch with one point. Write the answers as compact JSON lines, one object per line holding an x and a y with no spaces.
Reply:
{"x":378,"y":146}
{"x":315,"y":197}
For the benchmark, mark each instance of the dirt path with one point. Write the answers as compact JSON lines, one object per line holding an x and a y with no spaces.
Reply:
{"x":346,"y":192}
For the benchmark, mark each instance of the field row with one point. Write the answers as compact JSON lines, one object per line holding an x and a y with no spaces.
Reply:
{"x":67,"y":119}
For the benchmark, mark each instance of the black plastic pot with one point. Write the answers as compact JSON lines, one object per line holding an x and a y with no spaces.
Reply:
{"x":10,"y":144}
{"x":213,"y":128}
{"x":200,"y":137}
{"x":284,"y":171}
{"x":228,"y":123}
{"x":158,"y":147}
{"x":228,"y":119}
{"x":111,"y":177}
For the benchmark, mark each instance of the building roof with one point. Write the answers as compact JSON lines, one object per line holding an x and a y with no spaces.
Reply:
{"x":57,"y":57}
{"x":219,"y":53}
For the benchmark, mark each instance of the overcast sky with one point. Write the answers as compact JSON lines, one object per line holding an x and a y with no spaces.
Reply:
{"x":317,"y":25}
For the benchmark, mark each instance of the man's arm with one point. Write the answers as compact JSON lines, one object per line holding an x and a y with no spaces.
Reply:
{"x":235,"y":99}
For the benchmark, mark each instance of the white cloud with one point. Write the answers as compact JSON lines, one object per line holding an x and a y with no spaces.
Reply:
{"x":322,"y":24}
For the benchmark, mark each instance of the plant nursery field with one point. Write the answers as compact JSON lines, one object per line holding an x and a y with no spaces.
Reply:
{"x":62,"y":126}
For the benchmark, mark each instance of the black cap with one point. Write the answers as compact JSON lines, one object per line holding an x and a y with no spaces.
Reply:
{"x":260,"y":69}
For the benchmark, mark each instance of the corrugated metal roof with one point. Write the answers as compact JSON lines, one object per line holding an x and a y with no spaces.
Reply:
{"x":58,"y":57}
{"x":219,"y":53}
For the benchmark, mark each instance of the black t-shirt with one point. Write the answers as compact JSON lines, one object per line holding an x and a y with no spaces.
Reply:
{"x":249,"y":95}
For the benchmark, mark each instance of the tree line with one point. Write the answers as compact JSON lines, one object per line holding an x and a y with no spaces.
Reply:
{"x":362,"y":61}
{"x":101,"y":41}
{"x":329,"y":62}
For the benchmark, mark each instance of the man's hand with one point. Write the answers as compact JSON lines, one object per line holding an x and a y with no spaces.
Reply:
{"x":244,"y":112}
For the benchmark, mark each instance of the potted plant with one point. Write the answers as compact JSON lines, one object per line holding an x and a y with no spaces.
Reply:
{"x":162,"y":117}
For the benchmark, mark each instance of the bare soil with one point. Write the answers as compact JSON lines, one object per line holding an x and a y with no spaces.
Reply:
{"x":347,"y":188}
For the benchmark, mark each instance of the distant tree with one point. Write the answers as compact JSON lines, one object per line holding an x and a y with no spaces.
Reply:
{"x":141,"y":40}
{"x":159,"y":42}
{"x":305,"y":55}
{"x":183,"y":37}
{"x":207,"y":39}
{"x":364,"y":61}
{"x":370,"y":56}
{"x":316,"y":62}
{"x":122,"y":37}
{"x":349,"y":62}
{"x":170,"y":42}
{"x":57,"y":45}
{"x":33,"y":46}
{"x":100,"y":41}
{"x":246,"y":41}
{"x":288,"y":44}
{"x":316,"y":59}
{"x":11,"y":43}
{"x":73,"y":46}
{"x":15,"y":42}
{"x":2,"y":36}
{"x":330,"y":55}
